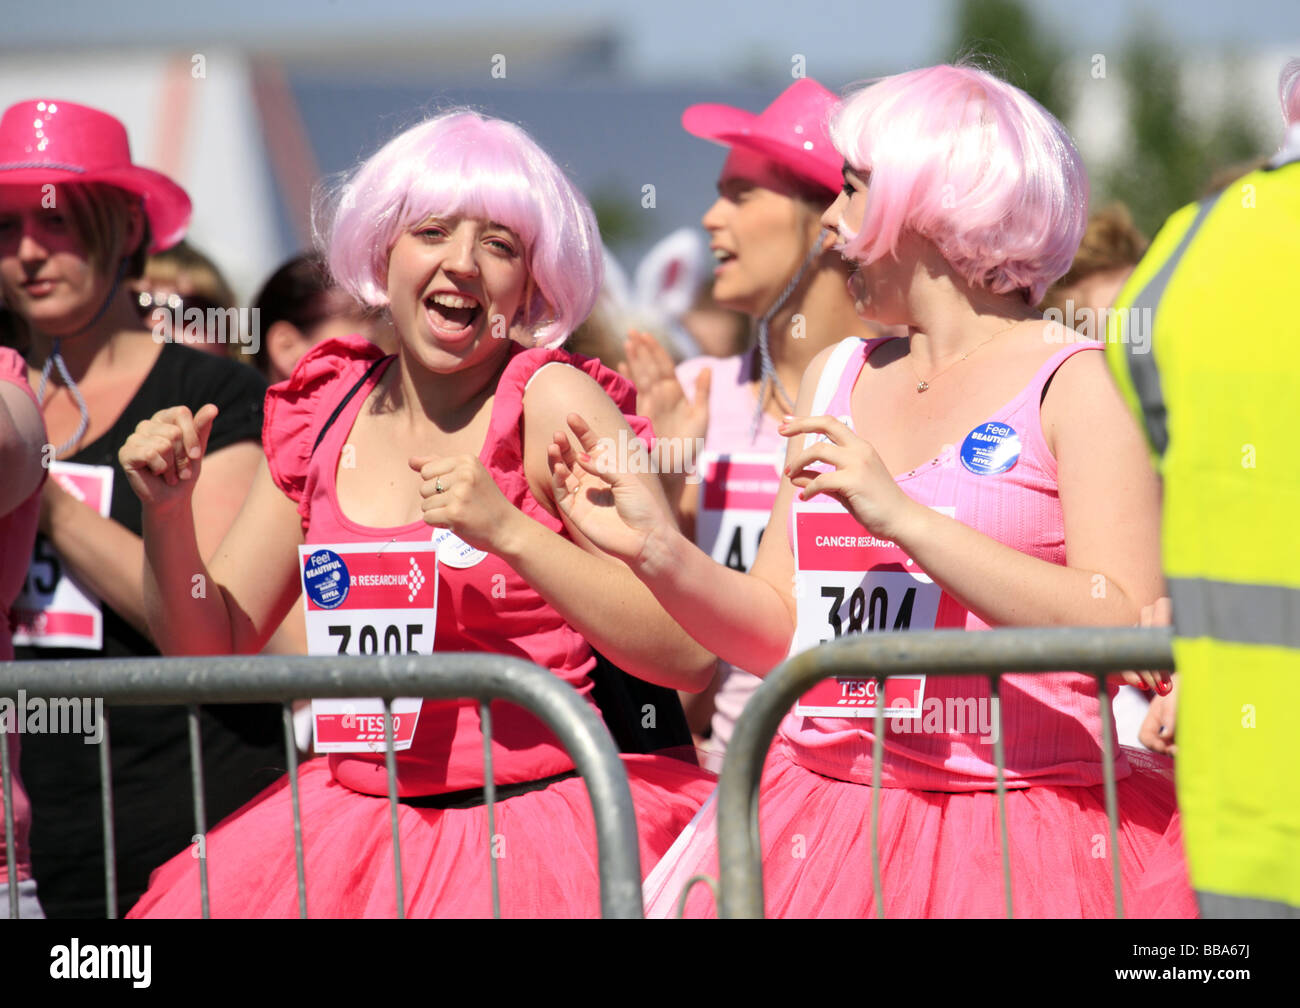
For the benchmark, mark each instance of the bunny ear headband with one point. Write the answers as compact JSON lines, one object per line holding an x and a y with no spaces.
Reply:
{"x":662,"y":289}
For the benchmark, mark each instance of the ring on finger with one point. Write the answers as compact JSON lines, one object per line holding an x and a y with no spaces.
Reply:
{"x":437,"y":485}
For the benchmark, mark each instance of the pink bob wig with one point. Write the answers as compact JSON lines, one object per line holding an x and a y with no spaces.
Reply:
{"x":972,"y":164}
{"x":462,"y":163}
{"x":1288,"y":88}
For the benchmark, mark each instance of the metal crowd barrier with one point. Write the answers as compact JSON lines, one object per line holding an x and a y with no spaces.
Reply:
{"x":254,"y":679}
{"x":939,"y":653}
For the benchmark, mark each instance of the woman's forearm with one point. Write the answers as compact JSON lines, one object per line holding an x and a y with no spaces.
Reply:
{"x":103,"y":555}
{"x":1005,"y":587}
{"x":738,"y":617}
{"x":186,"y":609}
{"x":602,"y":600}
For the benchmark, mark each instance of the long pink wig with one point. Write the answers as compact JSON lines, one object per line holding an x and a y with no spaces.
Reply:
{"x":463,"y":163}
{"x":974,"y":165}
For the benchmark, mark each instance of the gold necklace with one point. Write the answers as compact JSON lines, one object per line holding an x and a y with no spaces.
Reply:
{"x":922,"y":384}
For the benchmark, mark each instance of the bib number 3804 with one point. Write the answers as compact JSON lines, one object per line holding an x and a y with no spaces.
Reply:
{"x":833,"y":605}
{"x":851,"y":582}
{"x":867,"y":607}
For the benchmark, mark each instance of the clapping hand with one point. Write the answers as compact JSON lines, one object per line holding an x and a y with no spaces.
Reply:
{"x":601,"y":494}
{"x":857,"y":478}
{"x":660,"y":397}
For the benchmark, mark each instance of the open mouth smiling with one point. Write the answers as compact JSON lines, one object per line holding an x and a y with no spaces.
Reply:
{"x":451,"y":312}
{"x":722,"y":256}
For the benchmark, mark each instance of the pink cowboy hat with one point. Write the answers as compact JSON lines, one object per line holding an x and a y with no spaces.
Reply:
{"x":792,"y":131}
{"x":46,"y":141}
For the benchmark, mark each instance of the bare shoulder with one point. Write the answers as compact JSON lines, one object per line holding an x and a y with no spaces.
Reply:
{"x":558,"y":389}
{"x":554,"y":391}
{"x":1081,"y":398}
{"x":1082,"y":374}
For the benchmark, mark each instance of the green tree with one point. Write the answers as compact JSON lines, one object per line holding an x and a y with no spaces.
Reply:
{"x":1169,"y":155}
{"x":617,"y":213}
{"x":1004,"y":36}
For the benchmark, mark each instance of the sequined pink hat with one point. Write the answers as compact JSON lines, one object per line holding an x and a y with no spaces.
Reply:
{"x":792,"y":131}
{"x":48,"y":141}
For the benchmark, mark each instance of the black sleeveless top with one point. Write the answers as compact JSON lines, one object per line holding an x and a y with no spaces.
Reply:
{"x":243,"y":747}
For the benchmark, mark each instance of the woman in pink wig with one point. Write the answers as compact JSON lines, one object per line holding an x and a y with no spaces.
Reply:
{"x":773,"y":262}
{"x":485,"y":257}
{"x":977,"y":473}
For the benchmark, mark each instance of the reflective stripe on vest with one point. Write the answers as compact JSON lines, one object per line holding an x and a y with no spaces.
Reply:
{"x":1244,"y":613}
{"x":1142,"y":365}
{"x":1219,"y":906}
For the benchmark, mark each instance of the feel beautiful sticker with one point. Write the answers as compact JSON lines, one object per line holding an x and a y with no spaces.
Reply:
{"x":325,"y":579}
{"x":991,"y":448}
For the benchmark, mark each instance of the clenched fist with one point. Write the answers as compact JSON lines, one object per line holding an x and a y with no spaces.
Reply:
{"x":163,"y":457}
{"x":458,"y":493}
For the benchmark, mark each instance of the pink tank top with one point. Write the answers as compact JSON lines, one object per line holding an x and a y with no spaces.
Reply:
{"x":1051,"y":723}
{"x":732,"y":405}
{"x":486,"y":607}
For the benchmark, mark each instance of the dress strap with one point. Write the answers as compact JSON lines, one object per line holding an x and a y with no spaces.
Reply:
{"x":1053,"y":364}
{"x":829,"y":382}
{"x":344,"y":401}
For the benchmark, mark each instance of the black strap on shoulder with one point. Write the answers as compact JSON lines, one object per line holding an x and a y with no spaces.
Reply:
{"x":344,"y":401}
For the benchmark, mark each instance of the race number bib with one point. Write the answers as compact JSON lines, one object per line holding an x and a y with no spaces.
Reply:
{"x":54,"y":609}
{"x":735,"y":504}
{"x":850,"y":582}
{"x":362,"y":599}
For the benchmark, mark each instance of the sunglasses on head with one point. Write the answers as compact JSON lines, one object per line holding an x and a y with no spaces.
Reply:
{"x":148,"y":302}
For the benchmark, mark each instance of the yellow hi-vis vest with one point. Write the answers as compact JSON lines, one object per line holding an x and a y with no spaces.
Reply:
{"x":1205,"y":345}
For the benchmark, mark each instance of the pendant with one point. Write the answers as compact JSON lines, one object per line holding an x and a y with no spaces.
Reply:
{"x":921,"y":386}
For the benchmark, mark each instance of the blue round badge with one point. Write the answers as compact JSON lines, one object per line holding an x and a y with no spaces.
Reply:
{"x":990,"y":448}
{"x":325,"y":579}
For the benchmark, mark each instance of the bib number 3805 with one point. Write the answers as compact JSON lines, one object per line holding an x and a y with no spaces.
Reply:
{"x":360,"y":601}
{"x":368,"y":638}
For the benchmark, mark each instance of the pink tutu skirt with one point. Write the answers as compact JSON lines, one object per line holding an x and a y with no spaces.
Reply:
{"x":545,"y":851}
{"x":941,"y":852}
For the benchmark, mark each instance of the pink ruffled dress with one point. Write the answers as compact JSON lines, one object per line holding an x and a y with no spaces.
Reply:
{"x":940,"y":842}
{"x":17,"y":530}
{"x":546,"y":853}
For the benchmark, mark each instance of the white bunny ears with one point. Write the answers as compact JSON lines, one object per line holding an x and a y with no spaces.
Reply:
{"x":663,"y":290}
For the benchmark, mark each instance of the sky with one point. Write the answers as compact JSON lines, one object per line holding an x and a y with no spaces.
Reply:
{"x":615,"y":129}
{"x":658,"y":39}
